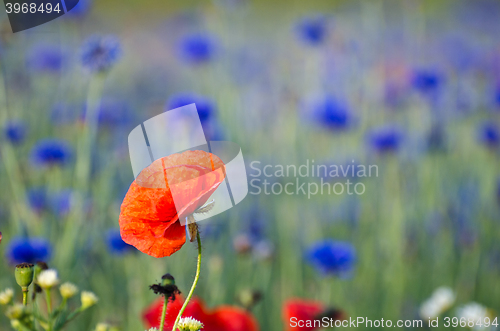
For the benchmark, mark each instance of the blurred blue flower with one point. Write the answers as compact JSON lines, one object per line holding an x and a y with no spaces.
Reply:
{"x":49,"y":152}
{"x":45,"y":57}
{"x":427,"y":80}
{"x":61,"y":202}
{"x":332,"y":257}
{"x":81,"y":8}
{"x":498,"y":190}
{"x":30,"y":250}
{"x":100,"y":53}
{"x":204,"y":105}
{"x":497,"y":96}
{"x":112,"y":113}
{"x":64,"y":113}
{"x":115,"y":243}
{"x":15,"y":132}
{"x":37,"y":199}
{"x":385,"y":139}
{"x":197,"y":48}
{"x":489,"y":134}
{"x":312,"y":29}
{"x":332,"y":113}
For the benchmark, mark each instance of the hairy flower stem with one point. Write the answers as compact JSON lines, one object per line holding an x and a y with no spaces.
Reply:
{"x":196,"y":278}
{"x":165,"y":303}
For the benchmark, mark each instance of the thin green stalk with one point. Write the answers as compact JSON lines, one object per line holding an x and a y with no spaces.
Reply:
{"x":86,"y":142}
{"x":25,"y":297}
{"x":49,"y":308}
{"x":165,"y":303}
{"x":196,"y":278}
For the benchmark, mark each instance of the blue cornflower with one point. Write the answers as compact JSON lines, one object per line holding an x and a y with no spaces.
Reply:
{"x":498,"y":190}
{"x":332,"y":113}
{"x":489,"y":134}
{"x":204,"y":105}
{"x":100,"y":53}
{"x":312,"y":29}
{"x":61,"y":202}
{"x":197,"y":48}
{"x":497,"y":96}
{"x":112,"y":112}
{"x":45,"y":57}
{"x":15,"y":132}
{"x":64,"y":113}
{"x":37,"y":199}
{"x":115,"y":243}
{"x":30,"y":250}
{"x":80,"y":9}
{"x":427,"y":80}
{"x":49,"y":152}
{"x":385,"y":139}
{"x":332,"y":257}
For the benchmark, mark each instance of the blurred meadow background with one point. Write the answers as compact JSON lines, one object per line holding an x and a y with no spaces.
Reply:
{"x":410,"y":86}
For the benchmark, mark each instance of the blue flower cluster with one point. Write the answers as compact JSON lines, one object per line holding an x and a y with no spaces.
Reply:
{"x":30,"y":250}
{"x":51,"y":152}
{"x":100,"y":53}
{"x":332,"y":257}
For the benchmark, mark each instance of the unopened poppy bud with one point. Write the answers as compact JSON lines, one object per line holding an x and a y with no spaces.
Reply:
{"x":68,"y":290}
{"x":88,"y":299}
{"x":0,"y":237}
{"x":15,"y":312}
{"x":47,"y":279}
{"x":167,"y":279}
{"x":189,"y":324}
{"x":6,"y":296}
{"x":24,"y":275}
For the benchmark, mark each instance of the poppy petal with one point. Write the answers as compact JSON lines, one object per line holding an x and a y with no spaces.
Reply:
{"x":171,"y":187}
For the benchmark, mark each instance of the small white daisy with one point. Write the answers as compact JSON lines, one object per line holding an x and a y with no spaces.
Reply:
{"x":189,"y":324}
{"x":88,"y":299}
{"x":6,"y":296}
{"x":47,"y":279}
{"x":441,"y":300}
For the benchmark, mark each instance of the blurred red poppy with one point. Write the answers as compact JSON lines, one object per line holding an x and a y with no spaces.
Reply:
{"x":171,"y":188}
{"x":300,"y":314}
{"x":222,"y":318}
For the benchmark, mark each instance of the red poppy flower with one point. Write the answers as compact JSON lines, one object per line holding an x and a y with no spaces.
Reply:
{"x":222,"y":318}
{"x":299,"y":314}
{"x":171,"y":188}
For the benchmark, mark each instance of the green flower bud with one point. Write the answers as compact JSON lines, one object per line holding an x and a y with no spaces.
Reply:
{"x":24,"y":275}
{"x":15,"y":312}
{"x":167,"y":279}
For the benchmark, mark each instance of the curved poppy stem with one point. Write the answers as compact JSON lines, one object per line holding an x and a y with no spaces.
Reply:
{"x":165,"y":303}
{"x":196,"y":278}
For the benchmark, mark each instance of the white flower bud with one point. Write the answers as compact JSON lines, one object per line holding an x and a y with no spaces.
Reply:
{"x":6,"y":296}
{"x":68,"y":290}
{"x":88,"y":299}
{"x":47,"y":279}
